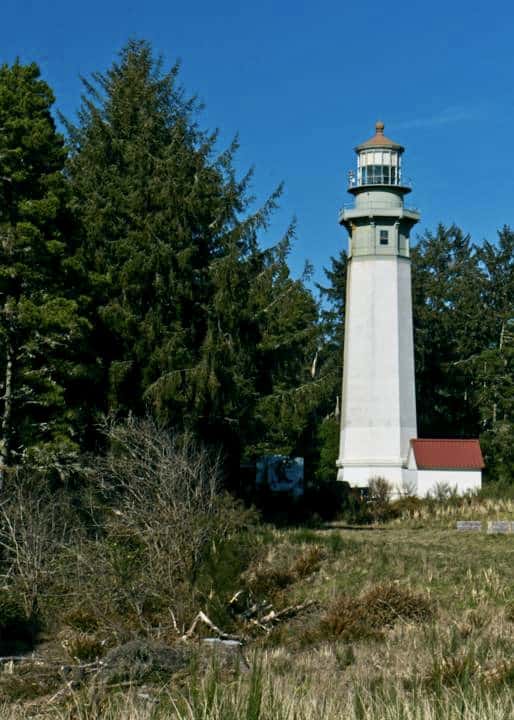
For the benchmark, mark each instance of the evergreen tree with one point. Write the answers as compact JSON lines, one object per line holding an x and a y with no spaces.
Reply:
{"x":463,"y":319}
{"x":325,"y":440}
{"x":40,"y":324}
{"x":287,"y":385}
{"x":171,"y":248}
{"x":492,"y":369}
{"x":333,"y":296}
{"x":449,"y":329}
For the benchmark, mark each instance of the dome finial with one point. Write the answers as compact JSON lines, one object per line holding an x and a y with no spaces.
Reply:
{"x":379,"y":127}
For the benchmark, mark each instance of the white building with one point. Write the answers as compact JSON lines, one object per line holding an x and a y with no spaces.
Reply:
{"x":378,"y":409}
{"x":453,"y":464}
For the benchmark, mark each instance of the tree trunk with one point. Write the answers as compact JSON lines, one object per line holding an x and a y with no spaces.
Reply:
{"x":6,"y":416}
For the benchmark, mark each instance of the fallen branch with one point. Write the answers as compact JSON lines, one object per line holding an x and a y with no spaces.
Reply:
{"x":275,"y":617}
{"x":174,"y":621}
{"x":256,"y":609}
{"x":70,"y":686}
{"x":202,"y":618}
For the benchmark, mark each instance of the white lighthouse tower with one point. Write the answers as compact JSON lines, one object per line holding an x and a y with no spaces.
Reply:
{"x":378,"y":409}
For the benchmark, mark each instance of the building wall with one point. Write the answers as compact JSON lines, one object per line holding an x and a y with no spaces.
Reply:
{"x":407,"y":386}
{"x":365,"y":237}
{"x":463,"y":480}
{"x":413,"y":482}
{"x":378,"y":410}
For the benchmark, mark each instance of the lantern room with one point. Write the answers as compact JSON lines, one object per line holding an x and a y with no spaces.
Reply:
{"x":379,"y":162}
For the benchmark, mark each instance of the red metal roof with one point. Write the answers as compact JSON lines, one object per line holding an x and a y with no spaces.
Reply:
{"x":379,"y":140}
{"x":448,"y":454}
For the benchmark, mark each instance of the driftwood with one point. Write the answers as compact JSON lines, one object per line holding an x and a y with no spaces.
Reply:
{"x":202,"y":618}
{"x":275,"y":617}
{"x":251,"y":615}
{"x":256,"y":609}
{"x":70,"y":686}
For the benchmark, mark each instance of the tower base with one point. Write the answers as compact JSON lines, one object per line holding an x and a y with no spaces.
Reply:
{"x":402,"y":480}
{"x":412,"y":482}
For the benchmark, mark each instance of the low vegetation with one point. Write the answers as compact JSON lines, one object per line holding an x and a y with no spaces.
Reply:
{"x":401,"y":617}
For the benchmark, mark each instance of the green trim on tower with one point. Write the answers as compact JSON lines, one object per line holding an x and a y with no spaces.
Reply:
{"x":378,"y":223}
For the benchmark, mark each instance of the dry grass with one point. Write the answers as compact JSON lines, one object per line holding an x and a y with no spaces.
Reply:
{"x":415,"y":621}
{"x":280,"y":568}
{"x":313,"y":685}
{"x":414,"y":512}
{"x":382,"y":606}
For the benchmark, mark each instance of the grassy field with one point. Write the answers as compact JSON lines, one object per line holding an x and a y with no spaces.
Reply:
{"x":411,"y":620}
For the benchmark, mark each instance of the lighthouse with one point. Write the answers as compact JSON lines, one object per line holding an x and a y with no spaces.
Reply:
{"x":378,"y":408}
{"x":378,"y":436}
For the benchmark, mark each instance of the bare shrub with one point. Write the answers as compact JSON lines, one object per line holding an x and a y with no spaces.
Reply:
{"x":33,"y":530}
{"x":409,"y":488}
{"x":142,"y":551}
{"x":84,"y":647}
{"x":379,"y":493}
{"x":308,"y":561}
{"x":388,"y":603}
{"x":380,"y":490}
{"x":408,"y":506}
{"x":266,"y":579}
{"x":164,"y":512}
{"x":380,"y":607}
{"x":443,"y":492}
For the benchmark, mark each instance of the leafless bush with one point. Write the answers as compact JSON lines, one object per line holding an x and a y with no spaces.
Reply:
{"x":380,"y":490}
{"x":164,"y":502}
{"x":379,"y":494}
{"x":32,"y":531}
{"x":380,"y":607}
{"x":443,"y":492}
{"x":142,"y":553}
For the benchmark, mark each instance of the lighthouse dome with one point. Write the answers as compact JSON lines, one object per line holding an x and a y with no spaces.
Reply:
{"x":378,"y":162}
{"x":379,"y":140}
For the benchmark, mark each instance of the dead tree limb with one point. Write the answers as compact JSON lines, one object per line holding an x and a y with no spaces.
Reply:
{"x":202,"y":618}
{"x":275,"y":617}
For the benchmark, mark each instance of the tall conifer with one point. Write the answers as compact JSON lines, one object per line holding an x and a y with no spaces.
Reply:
{"x":40,"y":325}
{"x":173,"y":256}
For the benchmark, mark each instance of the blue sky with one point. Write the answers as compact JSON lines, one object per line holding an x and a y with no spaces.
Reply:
{"x":304,"y":82}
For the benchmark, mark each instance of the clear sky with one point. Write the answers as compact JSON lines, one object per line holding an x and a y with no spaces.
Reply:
{"x":304,"y":82}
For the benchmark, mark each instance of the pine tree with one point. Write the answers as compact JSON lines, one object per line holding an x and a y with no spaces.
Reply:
{"x":492,"y":370}
{"x":175,"y":267}
{"x":449,"y":329}
{"x":40,"y":324}
{"x":333,"y":297}
{"x":287,"y":384}
{"x":325,"y":439}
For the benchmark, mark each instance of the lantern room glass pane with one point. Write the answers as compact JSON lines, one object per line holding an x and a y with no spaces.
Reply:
{"x":378,"y":168}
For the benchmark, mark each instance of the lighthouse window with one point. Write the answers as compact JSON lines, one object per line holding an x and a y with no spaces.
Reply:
{"x":384,"y":237}
{"x":377,"y":175}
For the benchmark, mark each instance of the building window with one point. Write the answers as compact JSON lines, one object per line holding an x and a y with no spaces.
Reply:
{"x":384,"y":237}
{"x":377,"y":175}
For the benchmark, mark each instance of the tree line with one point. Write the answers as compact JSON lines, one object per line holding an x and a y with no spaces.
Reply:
{"x":133,"y":281}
